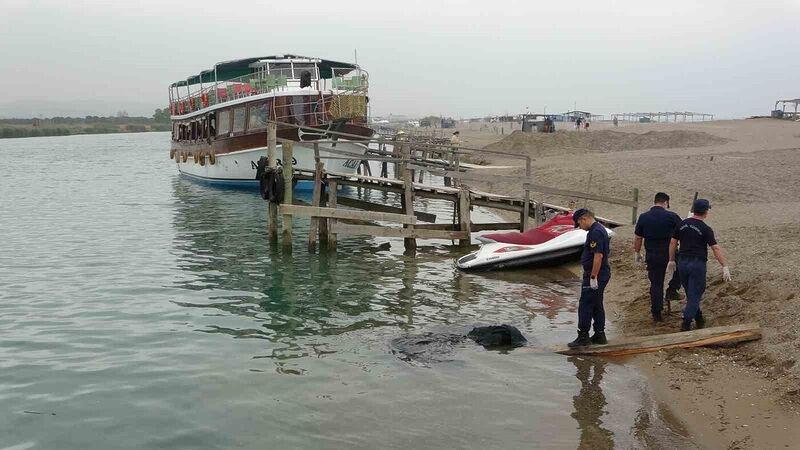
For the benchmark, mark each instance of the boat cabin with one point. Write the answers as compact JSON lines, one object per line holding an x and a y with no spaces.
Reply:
{"x":238,"y":98}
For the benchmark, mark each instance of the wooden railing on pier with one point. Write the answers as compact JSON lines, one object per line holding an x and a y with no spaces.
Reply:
{"x":410,"y":159}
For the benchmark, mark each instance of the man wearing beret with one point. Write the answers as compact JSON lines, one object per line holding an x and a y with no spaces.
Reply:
{"x":695,"y":237}
{"x":596,"y":274}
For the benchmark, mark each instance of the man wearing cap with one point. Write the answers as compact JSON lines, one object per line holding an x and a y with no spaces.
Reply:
{"x":596,"y":274}
{"x":656,"y":227}
{"x":695,"y":237}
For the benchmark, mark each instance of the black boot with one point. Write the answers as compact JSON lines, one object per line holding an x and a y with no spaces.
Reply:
{"x":686,"y":325}
{"x":582,"y":340}
{"x":657,"y":317}
{"x":599,"y":338}
{"x":672,"y":294}
{"x":699,"y":320}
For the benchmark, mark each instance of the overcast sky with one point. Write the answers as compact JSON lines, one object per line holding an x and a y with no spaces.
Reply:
{"x":468,"y":58}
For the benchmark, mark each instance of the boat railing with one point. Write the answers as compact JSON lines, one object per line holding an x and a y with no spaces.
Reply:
{"x":352,"y":83}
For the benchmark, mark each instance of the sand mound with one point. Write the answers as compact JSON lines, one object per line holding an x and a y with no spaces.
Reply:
{"x":569,"y":142}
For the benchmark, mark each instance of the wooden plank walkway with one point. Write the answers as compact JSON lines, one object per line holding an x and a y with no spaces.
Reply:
{"x":477,"y":197}
{"x":411,"y":158}
{"x":654,"y":343}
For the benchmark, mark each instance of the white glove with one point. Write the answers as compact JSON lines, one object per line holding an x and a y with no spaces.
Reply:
{"x":671,"y":267}
{"x":637,"y":258}
{"x":593,"y":283}
{"x":726,"y":273}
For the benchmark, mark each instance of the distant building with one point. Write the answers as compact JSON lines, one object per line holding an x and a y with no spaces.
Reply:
{"x":572,"y":116}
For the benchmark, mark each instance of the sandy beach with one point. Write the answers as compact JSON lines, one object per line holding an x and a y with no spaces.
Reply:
{"x":745,"y":396}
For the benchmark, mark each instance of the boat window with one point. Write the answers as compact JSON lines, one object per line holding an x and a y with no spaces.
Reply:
{"x":203,"y":128}
{"x":300,"y":68}
{"x":194,"y":130}
{"x":259,"y":114}
{"x":212,"y":125}
{"x":238,"y":120}
{"x":281,"y":69}
{"x":223,"y":124}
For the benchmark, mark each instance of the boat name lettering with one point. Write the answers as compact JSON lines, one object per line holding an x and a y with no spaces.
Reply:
{"x":254,"y":165}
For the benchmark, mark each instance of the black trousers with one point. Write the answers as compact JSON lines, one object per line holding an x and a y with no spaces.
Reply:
{"x":656,"y":272}
{"x":591,"y":312}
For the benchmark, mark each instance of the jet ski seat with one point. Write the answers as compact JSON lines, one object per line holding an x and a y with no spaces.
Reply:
{"x":556,"y":226}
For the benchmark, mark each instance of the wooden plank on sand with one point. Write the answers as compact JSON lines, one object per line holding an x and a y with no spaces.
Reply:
{"x":654,"y":343}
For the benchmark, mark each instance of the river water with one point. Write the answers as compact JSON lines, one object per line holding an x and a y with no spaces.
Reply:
{"x":141,"y":310}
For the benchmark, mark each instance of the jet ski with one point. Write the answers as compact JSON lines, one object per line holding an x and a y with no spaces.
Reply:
{"x":554,"y":242}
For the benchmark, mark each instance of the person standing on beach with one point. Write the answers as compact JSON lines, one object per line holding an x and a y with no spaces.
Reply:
{"x":596,"y":275}
{"x":695,"y":237}
{"x":656,"y":227}
{"x":455,"y":140}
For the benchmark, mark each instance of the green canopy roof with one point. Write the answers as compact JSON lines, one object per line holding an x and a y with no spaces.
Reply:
{"x":229,"y":70}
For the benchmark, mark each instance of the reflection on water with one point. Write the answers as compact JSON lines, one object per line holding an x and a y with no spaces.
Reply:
{"x":151,"y":312}
{"x":589,"y":404}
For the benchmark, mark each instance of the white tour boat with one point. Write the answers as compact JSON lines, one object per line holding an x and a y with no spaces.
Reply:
{"x":219,"y":116}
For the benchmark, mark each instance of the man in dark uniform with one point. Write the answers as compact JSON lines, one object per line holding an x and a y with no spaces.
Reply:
{"x":695,"y":237}
{"x":596,"y":274}
{"x":655,"y":227}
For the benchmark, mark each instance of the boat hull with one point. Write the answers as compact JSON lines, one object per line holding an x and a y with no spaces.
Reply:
{"x":238,"y":169}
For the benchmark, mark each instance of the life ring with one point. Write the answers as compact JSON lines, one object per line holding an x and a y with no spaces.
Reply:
{"x":185,"y":157}
{"x":204,"y":100}
{"x":212,"y":158}
{"x":180,"y":109}
{"x":202,"y":157}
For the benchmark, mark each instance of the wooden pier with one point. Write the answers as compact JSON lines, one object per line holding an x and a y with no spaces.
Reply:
{"x":410,"y":159}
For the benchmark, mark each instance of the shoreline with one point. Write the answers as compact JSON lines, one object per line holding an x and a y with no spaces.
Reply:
{"x":744,"y":396}
{"x":717,"y":394}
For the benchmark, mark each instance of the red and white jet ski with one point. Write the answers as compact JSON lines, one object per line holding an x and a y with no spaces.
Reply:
{"x":553,"y":242}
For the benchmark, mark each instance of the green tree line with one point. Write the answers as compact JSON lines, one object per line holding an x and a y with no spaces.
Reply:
{"x":65,"y":126}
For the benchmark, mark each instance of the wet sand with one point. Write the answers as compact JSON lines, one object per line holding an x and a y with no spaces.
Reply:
{"x":745,"y":396}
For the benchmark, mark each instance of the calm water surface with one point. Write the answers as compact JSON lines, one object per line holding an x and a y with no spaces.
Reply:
{"x":140,"y":310}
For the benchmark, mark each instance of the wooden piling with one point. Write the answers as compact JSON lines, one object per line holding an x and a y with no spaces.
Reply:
{"x":464,"y":216}
{"x":315,"y":200}
{"x":424,"y":157}
{"x":635,"y":211}
{"x":332,"y":188}
{"x":288,"y":173}
{"x":456,"y":168}
{"x":272,"y":155}
{"x":526,"y":199}
{"x":450,"y":156}
{"x":409,"y":243}
{"x":323,"y":224}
